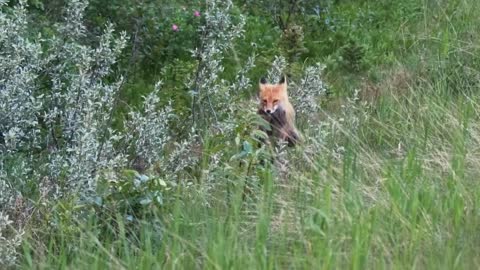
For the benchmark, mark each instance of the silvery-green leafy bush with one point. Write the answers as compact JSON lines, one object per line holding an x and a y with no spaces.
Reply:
{"x":55,"y":107}
{"x":10,"y":240}
{"x":148,"y":129}
{"x":20,"y":62}
{"x":210,"y":94}
{"x":54,"y":97}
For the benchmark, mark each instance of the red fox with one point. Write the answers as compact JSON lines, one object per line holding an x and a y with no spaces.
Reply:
{"x":278,"y":111}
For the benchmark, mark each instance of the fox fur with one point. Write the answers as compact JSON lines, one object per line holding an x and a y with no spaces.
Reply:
{"x":277,"y":110}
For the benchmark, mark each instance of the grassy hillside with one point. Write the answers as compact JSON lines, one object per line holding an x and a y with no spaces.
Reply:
{"x":386,"y":177}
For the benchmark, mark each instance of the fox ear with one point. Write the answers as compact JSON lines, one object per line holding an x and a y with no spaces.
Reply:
{"x":283,"y":83}
{"x":262,"y":83}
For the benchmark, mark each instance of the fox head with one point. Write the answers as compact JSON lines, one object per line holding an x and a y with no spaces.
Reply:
{"x":272,"y":95}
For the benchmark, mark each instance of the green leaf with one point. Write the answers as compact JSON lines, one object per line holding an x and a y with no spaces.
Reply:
{"x":98,"y":201}
{"x":145,"y":201}
{"x":162,"y":183}
{"x":247,"y":147}
{"x":259,"y":135}
{"x":159,"y":199}
{"x":143,"y":178}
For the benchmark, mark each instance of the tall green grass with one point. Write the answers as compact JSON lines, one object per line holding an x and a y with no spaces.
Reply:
{"x":412,"y":205}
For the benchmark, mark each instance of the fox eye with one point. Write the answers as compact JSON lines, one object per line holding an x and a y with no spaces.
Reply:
{"x":265,"y":101}
{"x":275,"y":101}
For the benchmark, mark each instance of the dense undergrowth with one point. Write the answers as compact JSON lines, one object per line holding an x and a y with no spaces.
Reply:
{"x":139,"y":150}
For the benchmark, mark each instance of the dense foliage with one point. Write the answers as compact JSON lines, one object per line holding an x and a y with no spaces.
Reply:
{"x":129,"y":136}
